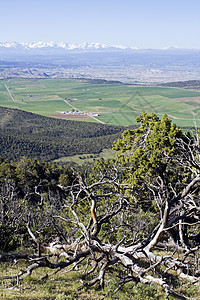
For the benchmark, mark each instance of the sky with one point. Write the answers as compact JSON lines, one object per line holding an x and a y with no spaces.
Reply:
{"x":144,"y":23}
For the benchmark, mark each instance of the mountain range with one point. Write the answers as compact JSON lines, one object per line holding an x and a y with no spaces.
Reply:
{"x":61,"y":46}
{"x":83,"y":46}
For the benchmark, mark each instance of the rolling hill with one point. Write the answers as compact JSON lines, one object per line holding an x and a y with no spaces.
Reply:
{"x":33,"y":136}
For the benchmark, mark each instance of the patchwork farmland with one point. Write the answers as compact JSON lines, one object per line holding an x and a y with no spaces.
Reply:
{"x":115,"y":104}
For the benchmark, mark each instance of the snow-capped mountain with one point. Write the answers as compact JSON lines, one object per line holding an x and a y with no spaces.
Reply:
{"x":61,"y":46}
{"x":57,"y":48}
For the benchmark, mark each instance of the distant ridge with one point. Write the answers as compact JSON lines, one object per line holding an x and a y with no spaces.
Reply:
{"x":189,"y":84}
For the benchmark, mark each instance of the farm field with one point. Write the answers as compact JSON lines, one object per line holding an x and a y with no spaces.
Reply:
{"x":115,"y":104}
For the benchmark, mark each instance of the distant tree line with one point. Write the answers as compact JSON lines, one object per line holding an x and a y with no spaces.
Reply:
{"x":189,"y":84}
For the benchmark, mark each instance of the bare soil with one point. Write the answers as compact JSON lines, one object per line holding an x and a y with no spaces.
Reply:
{"x":71,"y":116}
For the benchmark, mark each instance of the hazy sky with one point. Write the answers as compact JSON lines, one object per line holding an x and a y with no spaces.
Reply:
{"x":142,"y":23}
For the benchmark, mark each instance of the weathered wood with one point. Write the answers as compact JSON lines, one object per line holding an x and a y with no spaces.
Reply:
{"x":15,"y":256}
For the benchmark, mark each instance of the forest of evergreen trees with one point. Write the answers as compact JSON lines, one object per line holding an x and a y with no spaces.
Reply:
{"x":34,"y":136}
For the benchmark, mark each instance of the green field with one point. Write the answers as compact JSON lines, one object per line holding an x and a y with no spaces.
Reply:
{"x":87,"y":158}
{"x":116,"y":104}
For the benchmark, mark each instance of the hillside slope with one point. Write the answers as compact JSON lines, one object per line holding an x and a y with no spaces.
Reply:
{"x":34,"y":136}
{"x":189,"y":84}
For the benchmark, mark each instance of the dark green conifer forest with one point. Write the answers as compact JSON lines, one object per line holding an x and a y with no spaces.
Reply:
{"x":33,"y":136}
